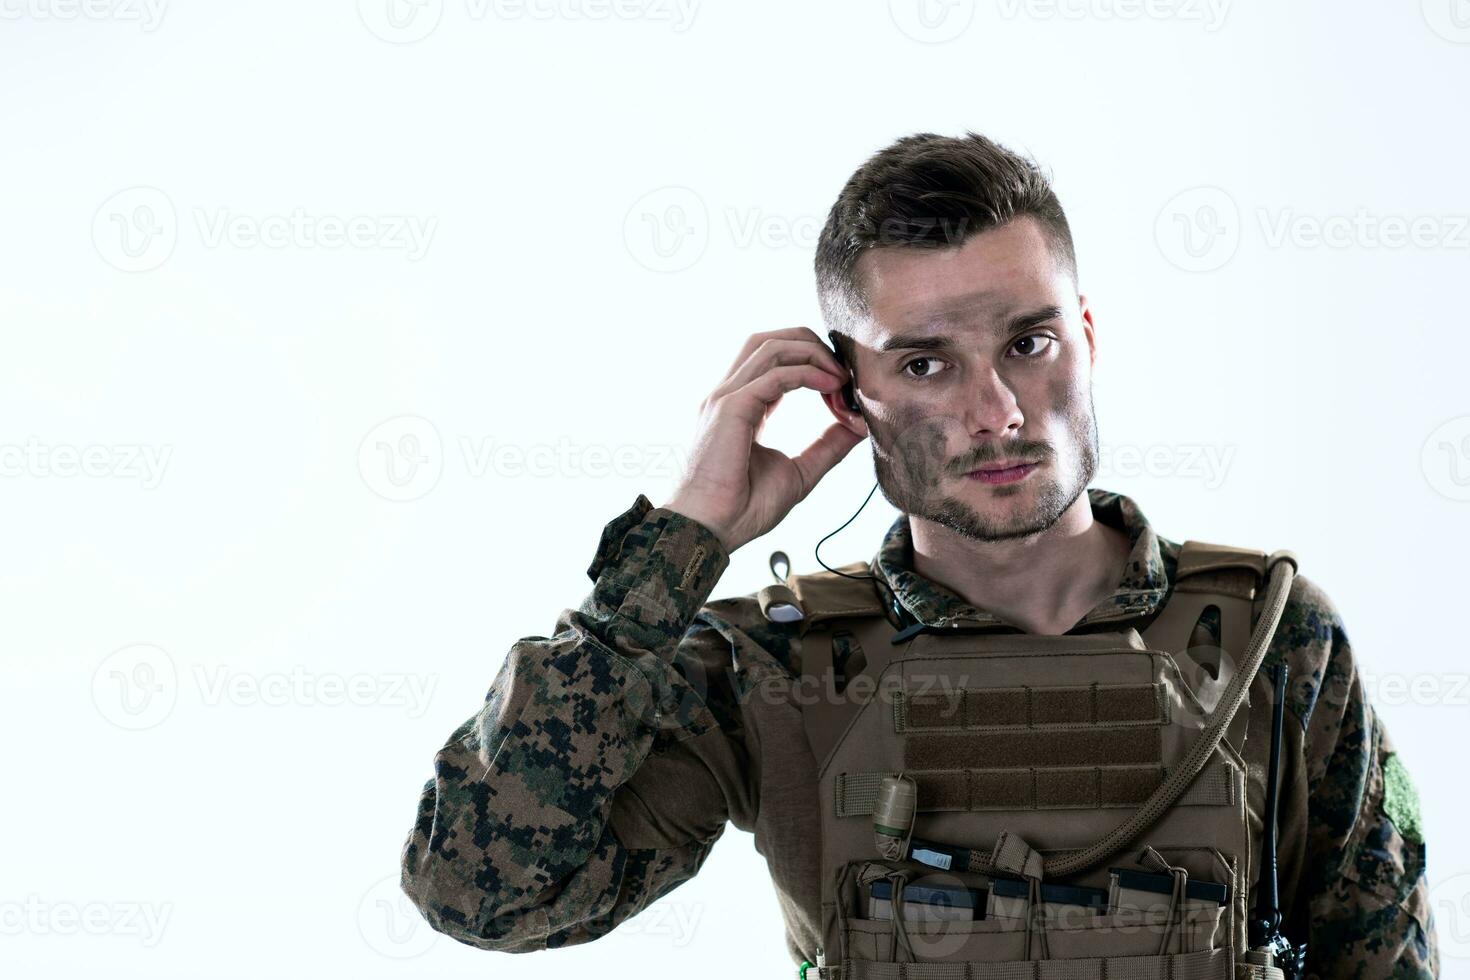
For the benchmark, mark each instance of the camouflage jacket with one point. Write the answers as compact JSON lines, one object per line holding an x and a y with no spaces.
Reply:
{"x":608,"y":758}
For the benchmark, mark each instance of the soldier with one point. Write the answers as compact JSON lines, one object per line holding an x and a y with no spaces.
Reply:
{"x":608,"y":758}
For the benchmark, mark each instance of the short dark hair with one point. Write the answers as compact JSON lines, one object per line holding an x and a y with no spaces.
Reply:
{"x":928,"y":191}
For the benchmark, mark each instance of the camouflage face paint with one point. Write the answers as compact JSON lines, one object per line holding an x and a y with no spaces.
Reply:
{"x":913,"y":459}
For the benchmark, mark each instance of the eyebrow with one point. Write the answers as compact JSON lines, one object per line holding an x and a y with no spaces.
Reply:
{"x":940,"y":341}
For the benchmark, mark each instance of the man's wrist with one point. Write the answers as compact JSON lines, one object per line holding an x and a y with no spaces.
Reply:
{"x":691,"y":510}
{"x":656,"y":567}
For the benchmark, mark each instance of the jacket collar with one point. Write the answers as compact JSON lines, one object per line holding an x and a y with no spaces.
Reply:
{"x":1142,"y":590}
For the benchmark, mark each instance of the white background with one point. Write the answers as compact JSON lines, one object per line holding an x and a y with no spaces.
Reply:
{"x":238,"y":811}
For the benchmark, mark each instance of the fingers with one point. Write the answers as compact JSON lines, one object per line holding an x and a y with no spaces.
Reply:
{"x":776,"y":352}
{"x":756,"y":340}
{"x":816,"y":460}
{"x":752,"y":401}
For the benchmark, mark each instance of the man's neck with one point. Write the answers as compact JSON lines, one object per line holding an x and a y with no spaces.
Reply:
{"x":1043,"y":584}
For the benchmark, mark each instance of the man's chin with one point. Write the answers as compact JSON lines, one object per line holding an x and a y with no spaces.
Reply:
{"x":996,"y":513}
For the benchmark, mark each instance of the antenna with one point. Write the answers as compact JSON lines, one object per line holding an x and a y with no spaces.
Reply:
{"x":1265,"y":921}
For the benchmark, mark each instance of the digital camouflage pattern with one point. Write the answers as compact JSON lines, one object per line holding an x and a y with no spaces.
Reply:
{"x":608,"y":759}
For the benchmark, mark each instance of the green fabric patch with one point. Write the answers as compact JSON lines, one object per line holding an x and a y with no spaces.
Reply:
{"x":1400,"y":800}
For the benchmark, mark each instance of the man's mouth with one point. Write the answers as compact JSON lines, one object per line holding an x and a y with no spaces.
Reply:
{"x":1006,"y":471}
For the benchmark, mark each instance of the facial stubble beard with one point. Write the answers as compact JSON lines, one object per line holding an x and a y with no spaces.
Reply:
{"x":910,"y":480}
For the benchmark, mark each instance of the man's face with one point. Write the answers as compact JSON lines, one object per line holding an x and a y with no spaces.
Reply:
{"x":975,"y":377}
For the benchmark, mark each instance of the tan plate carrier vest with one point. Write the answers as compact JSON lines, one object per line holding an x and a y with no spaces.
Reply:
{"x":1044,"y":760}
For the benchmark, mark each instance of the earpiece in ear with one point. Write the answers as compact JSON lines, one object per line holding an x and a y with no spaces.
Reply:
{"x":849,"y":397}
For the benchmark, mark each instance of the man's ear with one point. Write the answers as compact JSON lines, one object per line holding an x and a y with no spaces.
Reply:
{"x":854,"y":421}
{"x":1088,"y":329}
{"x":837,"y":401}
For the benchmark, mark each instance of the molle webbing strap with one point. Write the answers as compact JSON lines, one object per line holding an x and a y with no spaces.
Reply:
{"x":1090,"y":787}
{"x":979,"y":709}
{"x":862,"y":646}
{"x":1035,"y":747}
{"x":1207,"y":964}
{"x":1257,"y":964}
{"x":1034,"y":789}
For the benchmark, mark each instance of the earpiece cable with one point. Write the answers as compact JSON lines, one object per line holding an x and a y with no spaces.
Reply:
{"x":817,"y":551}
{"x":893,"y":602}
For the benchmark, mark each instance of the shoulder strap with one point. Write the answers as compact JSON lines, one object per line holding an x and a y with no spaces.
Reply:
{"x":1196,"y":557}
{"x":838,"y":614}
{"x":828,"y":595}
{"x":1223,"y":576}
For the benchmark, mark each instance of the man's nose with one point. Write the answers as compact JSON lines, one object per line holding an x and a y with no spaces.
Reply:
{"x":991,"y":407}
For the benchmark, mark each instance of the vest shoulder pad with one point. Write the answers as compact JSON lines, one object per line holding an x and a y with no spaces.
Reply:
{"x":827,"y":595}
{"x":1208,"y":567}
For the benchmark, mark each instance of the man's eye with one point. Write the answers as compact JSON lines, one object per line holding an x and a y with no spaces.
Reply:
{"x":922,"y":366}
{"x":1032,"y":344}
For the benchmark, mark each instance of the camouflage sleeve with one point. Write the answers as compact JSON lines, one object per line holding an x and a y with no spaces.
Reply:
{"x":1363,"y":894}
{"x":513,"y":848}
